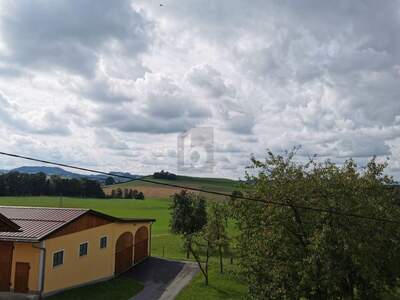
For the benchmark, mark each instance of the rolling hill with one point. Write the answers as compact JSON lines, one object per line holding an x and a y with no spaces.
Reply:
{"x":160,"y":191}
{"x":67,"y":174}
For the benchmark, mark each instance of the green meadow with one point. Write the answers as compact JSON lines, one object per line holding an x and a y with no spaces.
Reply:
{"x":164,"y":244}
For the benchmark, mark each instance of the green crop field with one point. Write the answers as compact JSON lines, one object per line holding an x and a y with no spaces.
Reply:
{"x":226,"y":286}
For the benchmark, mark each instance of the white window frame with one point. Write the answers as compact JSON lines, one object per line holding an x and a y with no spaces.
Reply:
{"x":63,"y":260}
{"x":87,"y":250}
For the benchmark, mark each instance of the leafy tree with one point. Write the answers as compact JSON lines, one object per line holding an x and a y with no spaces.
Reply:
{"x":188,"y":216}
{"x":3,"y":186}
{"x":119,"y":194}
{"x":202,"y":241}
{"x":135,"y":194}
{"x":140,"y":196}
{"x":216,"y":229}
{"x":287,"y":252}
{"x":22,"y":184}
{"x":110,"y":181}
{"x":211,"y":237}
{"x":164,"y":175}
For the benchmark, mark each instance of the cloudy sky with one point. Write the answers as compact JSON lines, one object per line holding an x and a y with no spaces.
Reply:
{"x":112,"y":84}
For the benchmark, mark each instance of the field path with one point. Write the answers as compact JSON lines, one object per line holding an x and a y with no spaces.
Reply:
{"x":163,"y":279}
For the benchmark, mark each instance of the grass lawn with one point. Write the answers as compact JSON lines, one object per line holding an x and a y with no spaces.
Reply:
{"x":121,"y":288}
{"x":164,"y":244}
{"x":221,"y":286}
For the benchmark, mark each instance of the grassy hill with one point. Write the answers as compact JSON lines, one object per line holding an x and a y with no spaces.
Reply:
{"x":160,"y":191}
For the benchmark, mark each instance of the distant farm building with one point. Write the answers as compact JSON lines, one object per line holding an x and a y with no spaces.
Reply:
{"x":47,"y":250}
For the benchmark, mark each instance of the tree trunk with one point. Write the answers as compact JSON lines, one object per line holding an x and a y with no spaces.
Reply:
{"x":204,"y":270}
{"x":208,"y":256}
{"x":188,"y":242}
{"x":221,"y":263}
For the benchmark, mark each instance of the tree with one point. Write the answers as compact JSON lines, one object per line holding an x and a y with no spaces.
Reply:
{"x":202,"y":242}
{"x":287,"y":252}
{"x":119,"y":193}
{"x":164,"y":175}
{"x":188,"y":216}
{"x":216,"y":229}
{"x":110,"y":181}
{"x":211,"y":237}
{"x":135,"y":194}
{"x":140,"y":196}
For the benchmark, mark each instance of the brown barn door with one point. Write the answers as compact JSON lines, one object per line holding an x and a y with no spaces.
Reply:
{"x":6,"y":253}
{"x":123,"y":253}
{"x":141,"y":244}
{"x":21,"y":277}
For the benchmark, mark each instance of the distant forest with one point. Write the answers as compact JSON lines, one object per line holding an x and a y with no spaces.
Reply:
{"x":21,"y":184}
{"x":164,"y":175}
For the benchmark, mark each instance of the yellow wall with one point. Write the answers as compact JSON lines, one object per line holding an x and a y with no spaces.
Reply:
{"x":98,"y":264}
{"x":25,"y":253}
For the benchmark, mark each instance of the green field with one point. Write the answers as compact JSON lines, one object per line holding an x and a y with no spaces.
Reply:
{"x":226,"y":286}
{"x":218,"y":184}
{"x":161,"y":191}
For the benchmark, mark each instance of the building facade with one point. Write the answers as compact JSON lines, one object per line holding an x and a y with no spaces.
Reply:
{"x":47,"y":250}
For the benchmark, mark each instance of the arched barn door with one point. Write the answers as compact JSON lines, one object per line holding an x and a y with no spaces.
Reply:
{"x":141,"y":244}
{"x":123,"y":252}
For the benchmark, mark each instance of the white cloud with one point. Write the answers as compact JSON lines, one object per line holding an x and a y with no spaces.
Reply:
{"x":127,"y":77}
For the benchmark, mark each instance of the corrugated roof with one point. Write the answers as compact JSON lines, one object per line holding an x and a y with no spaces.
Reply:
{"x":37,"y":222}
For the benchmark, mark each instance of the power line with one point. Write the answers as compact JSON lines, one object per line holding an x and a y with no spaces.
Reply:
{"x":142,"y":179}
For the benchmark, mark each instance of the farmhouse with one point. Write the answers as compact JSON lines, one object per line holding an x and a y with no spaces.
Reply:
{"x":46,"y":250}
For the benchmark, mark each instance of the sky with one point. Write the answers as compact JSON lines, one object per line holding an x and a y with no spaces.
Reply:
{"x":115,"y":85}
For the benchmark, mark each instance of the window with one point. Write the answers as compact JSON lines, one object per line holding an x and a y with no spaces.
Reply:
{"x":58,"y":258}
{"x":103,"y":242}
{"x":83,"y":249}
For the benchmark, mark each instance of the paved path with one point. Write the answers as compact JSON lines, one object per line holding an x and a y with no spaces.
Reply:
{"x":163,"y":279}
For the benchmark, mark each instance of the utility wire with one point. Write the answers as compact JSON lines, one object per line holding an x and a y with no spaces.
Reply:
{"x":142,"y":179}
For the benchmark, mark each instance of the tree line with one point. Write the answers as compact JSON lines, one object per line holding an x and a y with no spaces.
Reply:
{"x":126,"y":194}
{"x":22,"y":184}
{"x":164,"y":175}
{"x":286,"y":252}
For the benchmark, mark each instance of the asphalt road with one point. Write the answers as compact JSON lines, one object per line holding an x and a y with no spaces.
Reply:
{"x":163,"y":279}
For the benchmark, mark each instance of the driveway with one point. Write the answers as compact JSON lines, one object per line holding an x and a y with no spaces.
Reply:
{"x":163,"y":279}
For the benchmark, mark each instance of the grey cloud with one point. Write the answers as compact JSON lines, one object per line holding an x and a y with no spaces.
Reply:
{"x":228,"y":148}
{"x":70,"y":35}
{"x":106,"y":90}
{"x":49,"y":124}
{"x":323,"y":74}
{"x":241,"y":123}
{"x":127,"y":121}
{"x":209,"y":79}
{"x":161,"y":106}
{"x":168,"y":107}
{"x":106,"y":139}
